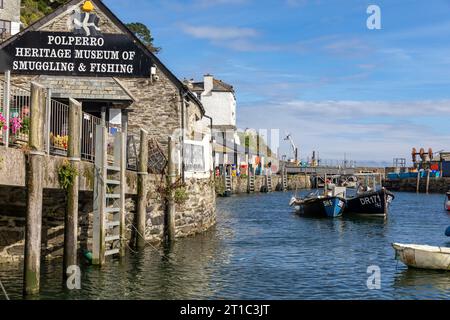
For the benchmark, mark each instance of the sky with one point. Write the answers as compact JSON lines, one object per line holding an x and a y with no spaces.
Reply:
{"x":313,"y":68}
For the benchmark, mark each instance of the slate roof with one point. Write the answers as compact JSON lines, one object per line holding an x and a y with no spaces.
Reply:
{"x":98,"y":3}
{"x":87,"y":88}
{"x":219,"y":86}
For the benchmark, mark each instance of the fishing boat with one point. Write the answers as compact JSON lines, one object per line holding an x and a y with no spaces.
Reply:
{"x":447,"y":201}
{"x":330,"y":205}
{"x":423,"y":257}
{"x":370,"y":202}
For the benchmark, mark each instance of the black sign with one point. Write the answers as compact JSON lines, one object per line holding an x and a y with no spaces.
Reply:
{"x":69,"y":54}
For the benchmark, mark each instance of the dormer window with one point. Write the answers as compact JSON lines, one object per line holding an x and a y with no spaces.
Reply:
{"x":5,"y":26}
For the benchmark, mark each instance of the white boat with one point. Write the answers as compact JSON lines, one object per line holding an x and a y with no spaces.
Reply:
{"x":423,"y":257}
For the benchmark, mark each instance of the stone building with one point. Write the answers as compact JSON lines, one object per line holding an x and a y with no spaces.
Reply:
{"x":9,"y":18}
{"x":91,"y":56}
{"x":219,"y":100}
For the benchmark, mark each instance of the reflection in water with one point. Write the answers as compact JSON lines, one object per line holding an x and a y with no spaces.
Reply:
{"x":417,"y":281}
{"x":261,"y":250}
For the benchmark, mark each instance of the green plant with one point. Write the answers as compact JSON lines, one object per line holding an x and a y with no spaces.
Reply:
{"x":180,"y":195}
{"x":220,"y":186}
{"x":67,"y":174}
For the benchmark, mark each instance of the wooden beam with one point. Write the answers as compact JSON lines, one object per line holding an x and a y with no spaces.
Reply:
{"x":171,"y":179}
{"x":71,"y":218}
{"x":34,"y":185}
{"x":142,"y":190}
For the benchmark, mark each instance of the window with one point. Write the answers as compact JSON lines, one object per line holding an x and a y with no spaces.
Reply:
{"x":5,"y":26}
{"x":1,"y":4}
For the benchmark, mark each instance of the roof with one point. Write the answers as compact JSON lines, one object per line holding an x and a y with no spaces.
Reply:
{"x":87,"y":88}
{"x":63,"y":8}
{"x":219,"y":86}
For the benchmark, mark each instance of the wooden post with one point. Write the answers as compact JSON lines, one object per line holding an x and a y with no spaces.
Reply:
{"x":6,"y":105}
{"x":418,"y":182}
{"x":123,"y":186}
{"x":34,"y":185}
{"x":48,"y":111}
{"x":142,"y":190}
{"x":428,"y":182}
{"x":171,"y":179}
{"x":71,"y":219}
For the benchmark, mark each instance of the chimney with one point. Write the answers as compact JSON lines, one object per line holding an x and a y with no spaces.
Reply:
{"x":208,"y":83}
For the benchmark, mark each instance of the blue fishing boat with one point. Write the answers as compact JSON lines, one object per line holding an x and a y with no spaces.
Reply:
{"x":329,"y":206}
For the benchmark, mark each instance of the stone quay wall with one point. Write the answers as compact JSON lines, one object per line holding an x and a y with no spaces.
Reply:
{"x":294,"y":182}
{"x":195,"y":215}
{"x":437,"y":185}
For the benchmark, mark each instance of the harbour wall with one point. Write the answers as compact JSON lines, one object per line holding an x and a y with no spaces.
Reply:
{"x":195,"y":213}
{"x":436,"y":185}
{"x":239,"y":184}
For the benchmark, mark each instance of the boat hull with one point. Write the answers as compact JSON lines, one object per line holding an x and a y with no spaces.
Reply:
{"x":423,"y":257}
{"x":331,"y":207}
{"x":447,"y":202}
{"x":371,"y":203}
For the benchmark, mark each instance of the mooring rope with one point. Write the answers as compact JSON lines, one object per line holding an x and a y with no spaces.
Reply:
{"x":147,"y":242}
{"x":4,"y":291}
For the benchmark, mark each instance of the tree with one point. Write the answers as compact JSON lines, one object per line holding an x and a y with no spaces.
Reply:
{"x":143,"y":33}
{"x":33,"y":10}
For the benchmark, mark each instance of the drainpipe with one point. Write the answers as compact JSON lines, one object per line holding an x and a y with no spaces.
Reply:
{"x":212,"y":139}
{"x":183,"y":95}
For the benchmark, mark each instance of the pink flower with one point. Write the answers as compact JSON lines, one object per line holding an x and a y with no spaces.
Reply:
{"x":16,"y":125}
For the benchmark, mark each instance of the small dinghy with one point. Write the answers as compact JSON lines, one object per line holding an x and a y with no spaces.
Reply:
{"x":423,"y":257}
{"x":447,"y":201}
{"x":370,"y":202}
{"x":330,"y":205}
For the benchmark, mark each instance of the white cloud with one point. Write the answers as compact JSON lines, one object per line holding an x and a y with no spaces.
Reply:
{"x":365,"y":130}
{"x":219,"y":33}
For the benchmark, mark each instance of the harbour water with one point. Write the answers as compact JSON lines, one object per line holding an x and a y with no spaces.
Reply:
{"x":261,"y":250}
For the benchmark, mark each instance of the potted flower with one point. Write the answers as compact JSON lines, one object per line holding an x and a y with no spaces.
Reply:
{"x":15,"y":124}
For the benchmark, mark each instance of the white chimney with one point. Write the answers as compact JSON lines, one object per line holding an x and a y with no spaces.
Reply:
{"x":208,"y":84}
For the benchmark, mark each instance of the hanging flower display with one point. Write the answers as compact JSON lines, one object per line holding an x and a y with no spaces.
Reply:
{"x":3,"y":124}
{"x":15,"y":125}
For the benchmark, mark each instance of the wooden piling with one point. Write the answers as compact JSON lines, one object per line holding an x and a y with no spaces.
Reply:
{"x":428,"y":182}
{"x":71,"y":219}
{"x":142,"y":190}
{"x":123,"y":186}
{"x":171,"y":179}
{"x":34,"y":185}
{"x":418,"y":182}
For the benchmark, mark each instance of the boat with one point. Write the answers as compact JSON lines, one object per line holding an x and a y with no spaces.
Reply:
{"x":327,"y":205}
{"x":370,"y":202}
{"x":447,"y":201}
{"x":423,"y":257}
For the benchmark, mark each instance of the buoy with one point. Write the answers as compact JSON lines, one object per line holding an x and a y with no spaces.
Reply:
{"x":87,"y":6}
{"x":88,"y":256}
{"x":447,"y":232}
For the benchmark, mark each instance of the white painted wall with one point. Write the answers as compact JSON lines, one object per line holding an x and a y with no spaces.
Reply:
{"x":221,"y":106}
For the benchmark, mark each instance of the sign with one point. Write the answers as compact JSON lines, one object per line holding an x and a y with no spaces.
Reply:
{"x":194,"y":158}
{"x":75,"y":54}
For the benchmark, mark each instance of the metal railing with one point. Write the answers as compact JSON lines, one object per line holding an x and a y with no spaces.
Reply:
{"x":16,"y":124}
{"x":58,"y":128}
{"x":57,"y":125}
{"x":89,"y":124}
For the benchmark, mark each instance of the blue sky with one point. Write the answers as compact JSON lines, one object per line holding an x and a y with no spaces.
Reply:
{"x":313,"y":68}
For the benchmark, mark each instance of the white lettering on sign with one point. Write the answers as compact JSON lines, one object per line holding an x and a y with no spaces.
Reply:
{"x":77,"y":57}
{"x":76,"y":41}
